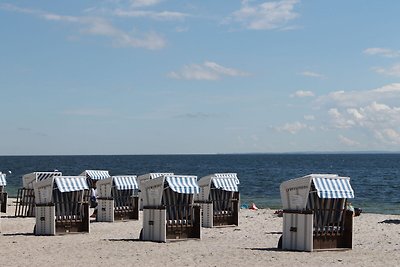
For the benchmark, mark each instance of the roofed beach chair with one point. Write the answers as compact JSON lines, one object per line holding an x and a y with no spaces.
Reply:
{"x":61,"y":205}
{"x":168,"y":209}
{"x":314,"y":213}
{"x":95,"y":175}
{"x":3,"y":193}
{"x":117,"y":198}
{"x":219,"y":199}
{"x":25,"y":205}
{"x":92,"y":176}
{"x":145,"y":177}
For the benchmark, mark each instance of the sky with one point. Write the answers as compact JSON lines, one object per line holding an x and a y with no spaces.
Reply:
{"x":187,"y":77}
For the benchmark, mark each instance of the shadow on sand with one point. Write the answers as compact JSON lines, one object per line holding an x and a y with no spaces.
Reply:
{"x":389,"y":221}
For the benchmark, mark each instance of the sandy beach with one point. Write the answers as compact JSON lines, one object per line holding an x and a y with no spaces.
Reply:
{"x":253,"y":243}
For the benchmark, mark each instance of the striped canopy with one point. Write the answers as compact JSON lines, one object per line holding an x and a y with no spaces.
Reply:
{"x":159,"y":174}
{"x":3,"y":181}
{"x":97,"y":175}
{"x":125,"y":182}
{"x":183,"y":184}
{"x":226,"y":183}
{"x":44,"y":175}
{"x":333,"y":188}
{"x":71,"y":183}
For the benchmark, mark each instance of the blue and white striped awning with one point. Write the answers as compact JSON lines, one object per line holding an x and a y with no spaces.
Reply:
{"x":71,"y":183}
{"x":226,"y":183}
{"x":97,"y":174}
{"x":125,"y":182}
{"x":44,"y":175}
{"x":155,"y":175}
{"x":183,"y":184}
{"x":333,"y":188}
{"x":3,"y":181}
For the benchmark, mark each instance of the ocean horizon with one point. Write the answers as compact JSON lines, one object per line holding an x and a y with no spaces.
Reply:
{"x":375,"y":176}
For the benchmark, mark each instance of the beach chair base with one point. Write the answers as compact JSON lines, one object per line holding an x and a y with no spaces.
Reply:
{"x":129,"y":212}
{"x":45,"y":222}
{"x":154,"y":224}
{"x":211,"y":218}
{"x":105,"y":210}
{"x":47,"y":225}
{"x":108,"y":212}
{"x":157,"y":228}
{"x":300,"y":235}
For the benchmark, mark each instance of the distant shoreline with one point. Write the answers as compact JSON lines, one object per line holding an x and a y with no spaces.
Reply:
{"x":219,"y":154}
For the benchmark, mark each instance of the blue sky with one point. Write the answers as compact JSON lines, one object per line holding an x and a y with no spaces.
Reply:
{"x":161,"y":77}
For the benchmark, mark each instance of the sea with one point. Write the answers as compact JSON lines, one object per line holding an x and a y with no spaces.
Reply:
{"x":375,"y":177}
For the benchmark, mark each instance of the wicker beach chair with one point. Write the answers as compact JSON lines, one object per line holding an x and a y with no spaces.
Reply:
{"x":60,"y":205}
{"x":117,"y":198}
{"x":168,"y":209}
{"x":219,"y":199}
{"x":145,"y":177}
{"x":314,"y":213}
{"x":25,"y":204}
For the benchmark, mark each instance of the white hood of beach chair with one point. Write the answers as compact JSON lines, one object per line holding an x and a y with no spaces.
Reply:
{"x":295,"y":192}
{"x":32,"y":177}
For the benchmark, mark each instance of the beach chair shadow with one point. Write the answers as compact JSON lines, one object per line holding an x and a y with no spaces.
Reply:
{"x":391,"y":221}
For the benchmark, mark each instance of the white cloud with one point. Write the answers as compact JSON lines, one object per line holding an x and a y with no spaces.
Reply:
{"x":88,"y":112}
{"x":381,"y":120}
{"x":339,"y":120}
{"x":100,"y":27}
{"x":312,"y":74}
{"x":301,"y":93}
{"x":144,"y":3}
{"x":385,"y":52}
{"x":164,"y":15}
{"x":347,"y":141}
{"x":309,"y":117}
{"x":389,"y":92}
{"x":267,"y":15}
{"x":292,"y":128}
{"x":374,"y":112}
{"x":392,"y":71}
{"x":207,"y":71}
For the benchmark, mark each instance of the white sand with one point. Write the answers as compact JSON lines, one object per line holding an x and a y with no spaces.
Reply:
{"x":253,"y":243}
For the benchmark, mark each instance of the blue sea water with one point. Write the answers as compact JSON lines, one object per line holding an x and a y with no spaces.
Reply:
{"x":375,"y":178}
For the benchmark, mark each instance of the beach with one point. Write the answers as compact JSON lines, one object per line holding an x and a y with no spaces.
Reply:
{"x":252,"y":243}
